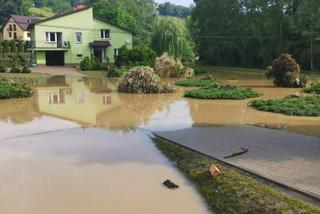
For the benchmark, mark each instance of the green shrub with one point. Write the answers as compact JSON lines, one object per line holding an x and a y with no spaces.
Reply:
{"x":286,"y":72}
{"x":222,"y":92}
{"x":20,"y":47}
{"x":16,"y":69}
{"x":2,"y":69}
{"x":6,"y":62}
{"x":85,"y":64}
{"x":314,"y":88}
{"x":144,"y":80}
{"x":199,"y":70}
{"x":26,"y":70}
{"x":95,"y":63}
{"x":291,"y":105}
{"x":10,"y":89}
{"x":6,"y":46}
{"x":137,"y":56}
{"x":168,"y":67}
{"x":116,"y":72}
{"x":198,"y":82}
{"x":13,"y":46}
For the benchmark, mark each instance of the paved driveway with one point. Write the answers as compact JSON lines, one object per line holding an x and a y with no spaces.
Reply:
{"x":57,"y":70}
{"x":287,"y":158}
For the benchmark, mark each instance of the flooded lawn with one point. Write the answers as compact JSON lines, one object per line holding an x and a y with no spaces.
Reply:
{"x":78,"y":146}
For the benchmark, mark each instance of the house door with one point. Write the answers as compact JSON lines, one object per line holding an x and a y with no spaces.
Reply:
{"x":54,"y":58}
{"x":98,"y":53}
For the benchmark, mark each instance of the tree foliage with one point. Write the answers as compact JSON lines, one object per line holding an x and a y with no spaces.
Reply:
{"x":169,"y":9}
{"x":172,"y":37}
{"x":252,"y":33}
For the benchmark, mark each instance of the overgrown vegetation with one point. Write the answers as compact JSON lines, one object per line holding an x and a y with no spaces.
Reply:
{"x":227,"y":92}
{"x":314,"y":88}
{"x":233,"y":191}
{"x":11,"y":89}
{"x":143,"y":80}
{"x":168,"y":67}
{"x":198,"y":82}
{"x":291,"y":105}
{"x":169,"y":9}
{"x":286,"y":72}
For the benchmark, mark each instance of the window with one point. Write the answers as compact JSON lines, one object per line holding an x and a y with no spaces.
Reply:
{"x":106,"y":100}
{"x":50,"y":37}
{"x":29,"y":35}
{"x":105,"y":33}
{"x":10,"y":27}
{"x":79,"y":56}
{"x":14,"y":35}
{"x":116,"y":52}
{"x":10,"y":34}
{"x":14,"y":28}
{"x":78,"y":37}
{"x":53,"y":98}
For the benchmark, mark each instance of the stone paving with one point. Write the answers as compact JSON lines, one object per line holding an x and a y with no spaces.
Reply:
{"x":57,"y":70}
{"x":286,"y":158}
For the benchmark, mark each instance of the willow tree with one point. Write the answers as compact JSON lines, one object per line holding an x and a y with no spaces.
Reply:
{"x":172,"y":37}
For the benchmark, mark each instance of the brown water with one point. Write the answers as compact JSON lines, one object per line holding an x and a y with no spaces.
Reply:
{"x":52,"y":161}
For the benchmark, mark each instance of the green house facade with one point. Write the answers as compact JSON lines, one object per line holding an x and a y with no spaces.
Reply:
{"x":66,"y":39}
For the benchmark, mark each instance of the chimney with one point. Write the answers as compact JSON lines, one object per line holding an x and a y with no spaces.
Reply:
{"x":79,"y":6}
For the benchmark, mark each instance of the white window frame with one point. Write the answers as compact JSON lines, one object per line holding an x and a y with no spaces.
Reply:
{"x":116,"y":52}
{"x":81,"y":38}
{"x":103,"y":33}
{"x":48,"y":37}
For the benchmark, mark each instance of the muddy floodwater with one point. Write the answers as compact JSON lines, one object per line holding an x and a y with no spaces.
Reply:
{"x":78,"y":146}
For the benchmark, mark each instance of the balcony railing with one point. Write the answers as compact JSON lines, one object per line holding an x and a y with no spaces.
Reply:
{"x":48,"y":45}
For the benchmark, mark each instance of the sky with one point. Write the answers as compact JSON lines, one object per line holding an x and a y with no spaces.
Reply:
{"x":181,"y":2}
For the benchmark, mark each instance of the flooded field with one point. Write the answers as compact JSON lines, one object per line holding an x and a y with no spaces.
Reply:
{"x":79,"y":146}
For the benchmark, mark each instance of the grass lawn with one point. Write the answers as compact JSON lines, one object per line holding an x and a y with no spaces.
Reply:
{"x":234,"y":191}
{"x":198,"y":82}
{"x":32,"y":75}
{"x":237,"y":72}
{"x":94,"y":74}
{"x":225,"y":92}
{"x":291,"y":105}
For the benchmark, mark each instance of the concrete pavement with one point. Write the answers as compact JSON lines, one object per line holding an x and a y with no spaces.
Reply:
{"x":290,"y":159}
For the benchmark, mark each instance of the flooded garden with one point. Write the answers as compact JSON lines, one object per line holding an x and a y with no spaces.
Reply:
{"x":79,"y":145}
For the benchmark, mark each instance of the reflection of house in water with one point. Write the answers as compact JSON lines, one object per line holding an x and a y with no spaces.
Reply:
{"x":76,"y":98}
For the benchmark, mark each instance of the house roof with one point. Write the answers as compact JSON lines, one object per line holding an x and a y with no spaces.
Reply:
{"x":23,"y":21}
{"x":58,"y":15}
{"x":109,"y":22}
{"x":71,"y":12}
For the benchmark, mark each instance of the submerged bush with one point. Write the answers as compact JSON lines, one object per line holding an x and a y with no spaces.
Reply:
{"x":222,"y":92}
{"x":314,"y":88}
{"x":143,"y":79}
{"x":116,"y":72}
{"x":11,"y":89}
{"x":198,"y":82}
{"x":286,"y":72}
{"x":168,"y":67}
{"x":26,"y":69}
{"x":291,"y":105}
{"x":16,"y":69}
